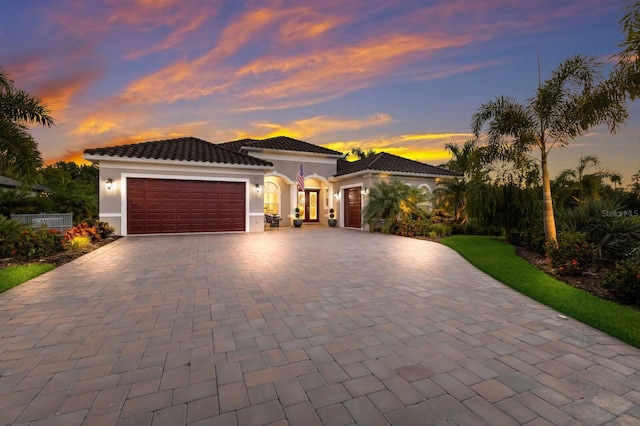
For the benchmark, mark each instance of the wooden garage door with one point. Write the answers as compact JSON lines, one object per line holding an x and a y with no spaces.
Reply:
{"x":352,"y":206}
{"x":158,"y":206}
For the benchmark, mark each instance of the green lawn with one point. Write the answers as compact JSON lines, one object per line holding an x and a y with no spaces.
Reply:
{"x":14,"y":275}
{"x":499,"y":260}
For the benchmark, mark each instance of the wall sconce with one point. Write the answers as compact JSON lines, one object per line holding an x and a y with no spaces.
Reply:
{"x":258,"y":188}
{"x":365,"y":191}
{"x":336,"y":195}
{"x":109,"y":183}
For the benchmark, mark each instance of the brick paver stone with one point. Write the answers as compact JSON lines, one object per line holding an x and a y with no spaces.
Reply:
{"x":303,"y":326}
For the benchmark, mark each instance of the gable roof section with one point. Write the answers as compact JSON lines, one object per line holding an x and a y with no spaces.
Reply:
{"x":180,"y":149}
{"x":6,"y":182}
{"x":280,"y":143}
{"x":384,"y":162}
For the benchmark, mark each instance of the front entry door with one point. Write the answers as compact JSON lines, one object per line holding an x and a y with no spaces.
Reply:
{"x":311,"y":212}
{"x":352,"y":208}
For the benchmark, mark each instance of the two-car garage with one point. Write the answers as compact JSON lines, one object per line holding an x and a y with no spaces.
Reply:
{"x":158,"y":206}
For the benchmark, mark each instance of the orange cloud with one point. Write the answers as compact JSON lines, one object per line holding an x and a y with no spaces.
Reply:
{"x":58,"y":94}
{"x":309,"y":127}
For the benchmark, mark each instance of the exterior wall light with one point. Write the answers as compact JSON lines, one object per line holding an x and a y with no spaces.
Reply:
{"x":365,"y":191}
{"x":336,"y":195}
{"x":109,"y":183}
{"x":258,"y":188}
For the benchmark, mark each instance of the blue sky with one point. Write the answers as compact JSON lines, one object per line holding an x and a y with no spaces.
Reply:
{"x":393,"y":75}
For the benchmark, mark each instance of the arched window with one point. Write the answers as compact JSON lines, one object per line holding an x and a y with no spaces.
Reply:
{"x":271,"y":198}
{"x":428,"y":205}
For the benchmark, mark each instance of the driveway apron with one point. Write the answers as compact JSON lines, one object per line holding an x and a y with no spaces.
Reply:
{"x":309,"y":326}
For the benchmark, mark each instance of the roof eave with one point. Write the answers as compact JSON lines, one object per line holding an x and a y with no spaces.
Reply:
{"x":389,"y":172}
{"x":286,"y":151}
{"x":97,"y":158}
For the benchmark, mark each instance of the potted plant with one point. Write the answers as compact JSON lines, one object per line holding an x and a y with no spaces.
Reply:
{"x":332,"y":218}
{"x":297,"y":222}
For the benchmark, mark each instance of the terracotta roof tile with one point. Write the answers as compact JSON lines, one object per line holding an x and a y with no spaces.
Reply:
{"x":180,"y":149}
{"x":384,"y":162}
{"x":283,"y":143}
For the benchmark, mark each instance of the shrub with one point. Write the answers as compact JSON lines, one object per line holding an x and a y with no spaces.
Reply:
{"x":530,"y":239}
{"x":104,"y":229}
{"x":10,"y":230}
{"x":78,"y":243}
{"x":440,"y":230}
{"x":571,"y":254}
{"x":605,"y":224}
{"x":31,"y":245}
{"x":83,"y":230}
{"x":624,"y":280}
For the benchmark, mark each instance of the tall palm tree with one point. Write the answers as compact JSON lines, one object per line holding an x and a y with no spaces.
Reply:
{"x":565,"y":107}
{"x":19,"y":155}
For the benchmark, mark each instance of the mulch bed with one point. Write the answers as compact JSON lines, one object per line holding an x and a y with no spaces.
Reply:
{"x":59,"y":258}
{"x":589,"y":282}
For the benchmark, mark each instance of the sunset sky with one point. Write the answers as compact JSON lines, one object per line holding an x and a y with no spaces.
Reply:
{"x":399,"y":76}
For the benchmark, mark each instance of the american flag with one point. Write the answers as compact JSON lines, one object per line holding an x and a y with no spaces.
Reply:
{"x":300,"y":179}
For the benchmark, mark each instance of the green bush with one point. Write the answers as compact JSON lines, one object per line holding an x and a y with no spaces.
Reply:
{"x":624,"y":280}
{"x":530,"y":239}
{"x":609,"y":226}
{"x":10,"y":230}
{"x":418,"y":226}
{"x":440,"y":230}
{"x":31,"y":245}
{"x":571,"y":254}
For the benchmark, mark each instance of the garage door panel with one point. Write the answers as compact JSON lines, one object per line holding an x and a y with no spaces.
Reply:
{"x":171,"y":206}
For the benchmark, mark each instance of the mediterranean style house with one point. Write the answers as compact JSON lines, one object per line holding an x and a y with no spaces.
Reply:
{"x":189,"y":185}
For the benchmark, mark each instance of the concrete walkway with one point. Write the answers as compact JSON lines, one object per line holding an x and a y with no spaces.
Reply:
{"x":311,"y":326}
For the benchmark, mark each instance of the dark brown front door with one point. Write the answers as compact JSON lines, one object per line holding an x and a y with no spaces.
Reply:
{"x":311,"y":212}
{"x":158,"y":206}
{"x":352,"y":208}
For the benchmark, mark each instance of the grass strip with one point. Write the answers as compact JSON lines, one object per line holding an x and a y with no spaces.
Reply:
{"x":500,"y":261}
{"x":14,"y":275}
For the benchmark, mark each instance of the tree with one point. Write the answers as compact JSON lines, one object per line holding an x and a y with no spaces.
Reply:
{"x":19,"y":155}
{"x":626,"y":75}
{"x":360,"y":153}
{"x":572,"y":186}
{"x":390,"y":201}
{"x":565,"y":107}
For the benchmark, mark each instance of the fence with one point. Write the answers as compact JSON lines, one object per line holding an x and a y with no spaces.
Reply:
{"x":59,"y":221}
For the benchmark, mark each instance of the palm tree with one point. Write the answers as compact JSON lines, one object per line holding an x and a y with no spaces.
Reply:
{"x":360,"y":153}
{"x":19,"y":155}
{"x":565,"y":107}
{"x":616,"y":179}
{"x":452,"y":197}
{"x":626,"y":75}
{"x":390,"y":201}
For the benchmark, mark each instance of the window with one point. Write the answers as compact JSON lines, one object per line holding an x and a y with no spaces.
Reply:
{"x":428,"y":205}
{"x":271,"y":198}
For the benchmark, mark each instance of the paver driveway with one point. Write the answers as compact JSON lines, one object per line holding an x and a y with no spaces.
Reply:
{"x":305,"y":327}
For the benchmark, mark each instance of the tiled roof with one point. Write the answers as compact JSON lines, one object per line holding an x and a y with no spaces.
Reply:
{"x":10,"y":183}
{"x":283,"y":143}
{"x":180,"y":149}
{"x":383,"y":162}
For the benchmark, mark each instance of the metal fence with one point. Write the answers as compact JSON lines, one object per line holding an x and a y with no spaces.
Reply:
{"x":59,"y":221}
